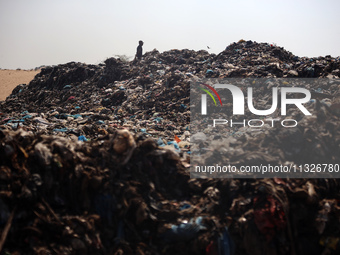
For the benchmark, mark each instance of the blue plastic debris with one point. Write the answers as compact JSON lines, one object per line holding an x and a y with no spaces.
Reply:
{"x":76,"y":116}
{"x":183,"y":106}
{"x":158,"y":119}
{"x":185,"y":206}
{"x":175,"y":144}
{"x":67,"y":86}
{"x":184,"y":231}
{"x":121,"y":88}
{"x":14,"y":125}
{"x":60,"y":130}
{"x":225,"y":245}
{"x":311,"y":101}
{"x":100,"y":122}
{"x":143,"y":130}
{"x":77,"y":107}
{"x":160,"y":142}
{"x":82,"y":138}
{"x":310,"y":71}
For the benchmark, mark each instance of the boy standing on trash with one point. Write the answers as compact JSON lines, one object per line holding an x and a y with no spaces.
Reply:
{"x":139,"y":51}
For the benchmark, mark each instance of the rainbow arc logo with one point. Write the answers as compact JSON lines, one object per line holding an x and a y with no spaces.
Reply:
{"x":204,"y":97}
{"x":209,"y":93}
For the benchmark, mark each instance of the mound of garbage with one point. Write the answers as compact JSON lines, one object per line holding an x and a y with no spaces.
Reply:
{"x":94,"y":159}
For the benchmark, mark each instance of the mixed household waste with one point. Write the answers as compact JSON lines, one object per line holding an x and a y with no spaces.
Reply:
{"x":94,"y":159}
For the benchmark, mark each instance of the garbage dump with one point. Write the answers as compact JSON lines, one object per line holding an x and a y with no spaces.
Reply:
{"x":94,"y":159}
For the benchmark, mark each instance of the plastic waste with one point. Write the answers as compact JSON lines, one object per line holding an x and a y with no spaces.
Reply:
{"x":82,"y":138}
{"x":185,"y":231}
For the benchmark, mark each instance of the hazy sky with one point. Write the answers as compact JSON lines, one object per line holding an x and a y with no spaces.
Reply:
{"x":48,"y":32}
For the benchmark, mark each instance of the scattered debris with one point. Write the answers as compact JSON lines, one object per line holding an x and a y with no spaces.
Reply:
{"x":94,"y":160}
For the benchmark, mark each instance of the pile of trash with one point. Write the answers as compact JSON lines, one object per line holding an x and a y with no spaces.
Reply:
{"x":94,"y":159}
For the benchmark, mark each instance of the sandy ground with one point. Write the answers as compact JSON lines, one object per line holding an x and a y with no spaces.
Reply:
{"x":9,"y":79}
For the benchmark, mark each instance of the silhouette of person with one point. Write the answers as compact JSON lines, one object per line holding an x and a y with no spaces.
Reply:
{"x":139,"y":51}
